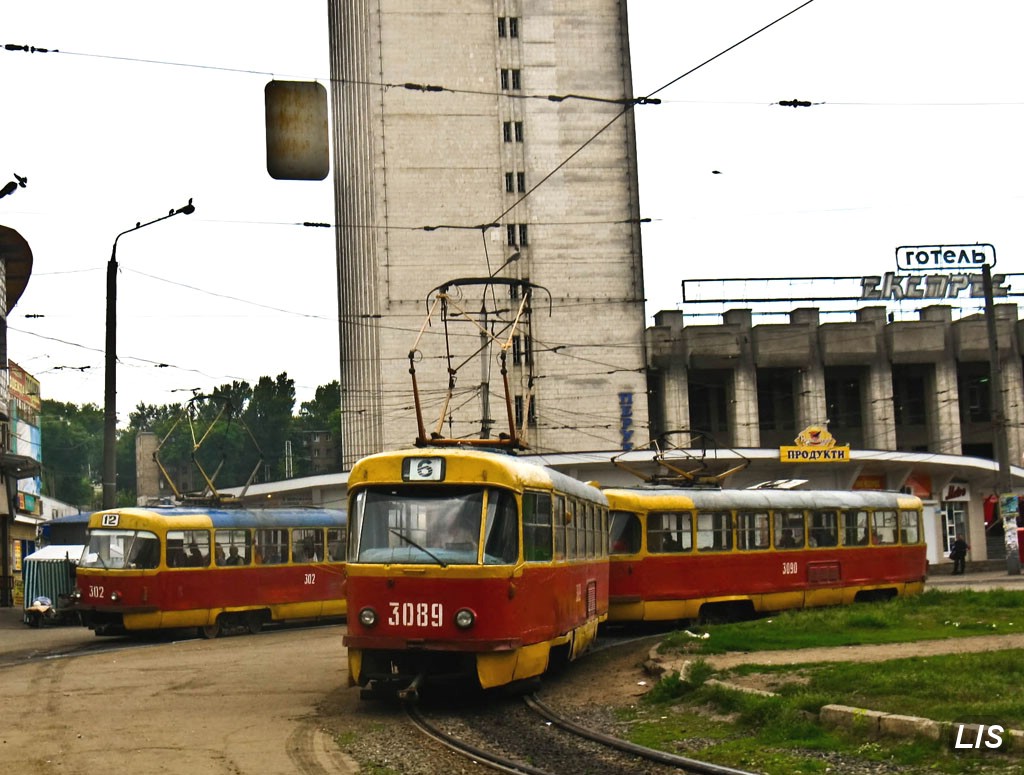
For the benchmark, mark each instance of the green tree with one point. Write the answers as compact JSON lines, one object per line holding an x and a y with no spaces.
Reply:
{"x":322,"y":414}
{"x":269,"y":417}
{"x":72,"y":451}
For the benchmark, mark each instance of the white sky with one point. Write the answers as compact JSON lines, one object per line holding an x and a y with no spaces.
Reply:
{"x":918,"y":142}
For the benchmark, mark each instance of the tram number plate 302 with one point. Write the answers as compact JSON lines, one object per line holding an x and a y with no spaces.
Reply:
{"x":416,"y":614}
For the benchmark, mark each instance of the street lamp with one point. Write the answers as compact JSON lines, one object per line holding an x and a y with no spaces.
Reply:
{"x":110,"y":374}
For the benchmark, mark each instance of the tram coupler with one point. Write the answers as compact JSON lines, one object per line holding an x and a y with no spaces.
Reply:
{"x":411,"y":693}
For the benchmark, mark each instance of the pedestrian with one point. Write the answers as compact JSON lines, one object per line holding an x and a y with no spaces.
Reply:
{"x":958,"y":554}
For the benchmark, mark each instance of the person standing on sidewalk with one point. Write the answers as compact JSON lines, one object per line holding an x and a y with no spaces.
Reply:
{"x":958,"y":554}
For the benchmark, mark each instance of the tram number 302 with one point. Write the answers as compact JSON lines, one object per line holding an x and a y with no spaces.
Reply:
{"x":789,"y":568}
{"x":416,"y":614}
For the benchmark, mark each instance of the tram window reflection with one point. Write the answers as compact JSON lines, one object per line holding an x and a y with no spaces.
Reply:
{"x":789,"y":530}
{"x":501,"y":531}
{"x":669,"y":532}
{"x":855,"y":527}
{"x":188,"y":548}
{"x":271,"y":547}
{"x":883,"y":527}
{"x":910,"y":529}
{"x":307,"y":545}
{"x":714,"y":531}
{"x":335,"y":544}
{"x":232,"y":547}
{"x":823,"y":530}
{"x":753,"y":530}
{"x":144,"y":551}
{"x":624,"y":532}
{"x":537,"y":538}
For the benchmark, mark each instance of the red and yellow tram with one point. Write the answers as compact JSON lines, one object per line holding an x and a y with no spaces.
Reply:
{"x":470,"y":566}
{"x":682,"y":553}
{"x":210,"y":569}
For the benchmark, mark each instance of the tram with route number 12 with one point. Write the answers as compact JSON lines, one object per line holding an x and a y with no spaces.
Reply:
{"x":211,"y":569}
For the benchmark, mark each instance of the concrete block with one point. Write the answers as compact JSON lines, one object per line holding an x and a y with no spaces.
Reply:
{"x":853,"y":719}
{"x":910,"y":726}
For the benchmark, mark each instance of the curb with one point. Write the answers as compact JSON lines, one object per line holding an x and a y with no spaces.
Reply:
{"x":875,"y":723}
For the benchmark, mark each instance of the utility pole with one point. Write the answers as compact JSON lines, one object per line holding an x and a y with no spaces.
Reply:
{"x":1004,"y":481}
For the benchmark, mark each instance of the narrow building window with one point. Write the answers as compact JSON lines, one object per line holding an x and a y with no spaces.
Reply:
{"x":517,"y":81}
{"x":522,"y":235}
{"x":519,"y":131}
{"x":504,"y":80}
{"x":520,"y":182}
{"x":506,"y":129}
{"x":510,"y":234}
{"x":509,"y":182}
{"x":501,"y":27}
{"x":513,"y":27}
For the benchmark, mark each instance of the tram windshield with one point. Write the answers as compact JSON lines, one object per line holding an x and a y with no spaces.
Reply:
{"x":440,"y":526}
{"x":121,"y":549}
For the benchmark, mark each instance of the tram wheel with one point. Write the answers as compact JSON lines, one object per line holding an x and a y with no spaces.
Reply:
{"x":210,"y":631}
{"x":254,"y":622}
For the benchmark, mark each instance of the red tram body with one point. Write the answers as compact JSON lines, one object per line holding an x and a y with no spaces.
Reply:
{"x":680,"y":553}
{"x":471,"y":567}
{"x":209,"y":569}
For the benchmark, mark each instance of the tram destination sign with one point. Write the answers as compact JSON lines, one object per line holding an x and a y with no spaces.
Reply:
{"x":953,"y":258}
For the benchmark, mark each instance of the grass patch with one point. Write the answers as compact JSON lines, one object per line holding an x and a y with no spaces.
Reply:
{"x":932,"y":615}
{"x":781,"y":734}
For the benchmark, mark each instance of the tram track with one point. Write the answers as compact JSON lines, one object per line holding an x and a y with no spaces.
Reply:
{"x":506,"y":738}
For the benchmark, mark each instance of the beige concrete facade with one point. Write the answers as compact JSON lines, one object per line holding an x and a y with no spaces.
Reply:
{"x":885,"y":388}
{"x":435,"y":184}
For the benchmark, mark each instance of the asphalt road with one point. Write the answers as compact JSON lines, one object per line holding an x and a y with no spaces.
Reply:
{"x":78,"y":704}
{"x":270,"y":703}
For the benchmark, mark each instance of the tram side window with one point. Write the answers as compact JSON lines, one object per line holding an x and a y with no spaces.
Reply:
{"x":624,"y":532}
{"x":501,"y":533}
{"x":188,"y":548}
{"x":714,"y":531}
{"x":271,"y":547}
{"x":669,"y":532}
{"x":591,"y":528}
{"x":789,"y":530}
{"x":855,"y":528}
{"x":336,"y":544}
{"x":883,"y":527}
{"x":823,"y":529}
{"x":308,"y":545}
{"x":232,"y":547}
{"x":753,"y":530}
{"x":537,"y":527}
{"x":572,"y":523}
{"x":144,"y":552}
{"x":910,"y":527}
{"x":558,"y":519}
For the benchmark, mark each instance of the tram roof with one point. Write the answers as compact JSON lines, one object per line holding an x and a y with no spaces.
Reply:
{"x":290,"y":517}
{"x":770,"y":499}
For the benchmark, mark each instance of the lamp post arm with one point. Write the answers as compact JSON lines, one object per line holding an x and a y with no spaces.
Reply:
{"x":110,"y":364}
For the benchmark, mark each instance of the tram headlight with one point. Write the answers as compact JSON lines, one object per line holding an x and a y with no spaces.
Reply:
{"x":115,"y":597}
{"x":368,"y":617}
{"x":464,"y":618}
{"x":76,"y":595}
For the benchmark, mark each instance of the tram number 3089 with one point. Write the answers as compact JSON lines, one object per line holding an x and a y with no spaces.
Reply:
{"x":416,"y":614}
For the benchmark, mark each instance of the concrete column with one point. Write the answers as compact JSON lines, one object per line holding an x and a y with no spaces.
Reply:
{"x":743,"y":414}
{"x":943,"y":409}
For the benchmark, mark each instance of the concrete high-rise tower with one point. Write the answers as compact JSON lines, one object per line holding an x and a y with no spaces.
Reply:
{"x":452,"y":162}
